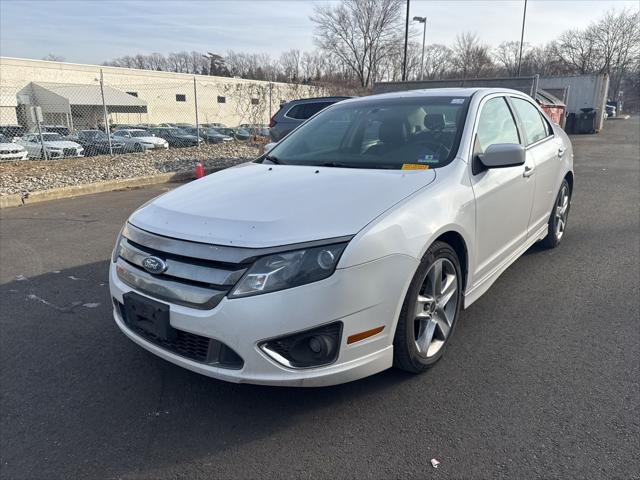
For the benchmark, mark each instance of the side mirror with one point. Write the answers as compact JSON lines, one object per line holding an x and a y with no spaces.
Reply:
{"x":500,"y":155}
{"x":269,"y":146}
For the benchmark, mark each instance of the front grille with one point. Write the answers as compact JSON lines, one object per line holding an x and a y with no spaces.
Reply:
{"x":70,"y":152}
{"x":189,"y":279}
{"x":189,"y":345}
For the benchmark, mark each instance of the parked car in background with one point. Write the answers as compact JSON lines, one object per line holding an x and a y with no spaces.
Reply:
{"x":209,"y":135}
{"x":213,"y":125}
{"x":292,"y":114}
{"x":237,"y":133}
{"x":255,"y":129}
{"x":10,"y":150}
{"x":96,"y":142}
{"x":61,"y":129}
{"x":13,"y":132}
{"x":611,"y":110}
{"x":138,"y":140}
{"x":438,"y":192}
{"x":55,"y":146}
{"x":124,"y":126}
{"x":176,"y":137}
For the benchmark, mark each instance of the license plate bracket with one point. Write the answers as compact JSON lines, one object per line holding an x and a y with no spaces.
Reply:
{"x":148,"y":315}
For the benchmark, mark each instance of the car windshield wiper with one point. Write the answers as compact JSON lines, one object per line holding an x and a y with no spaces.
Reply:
{"x":354,"y":165}
{"x":273,"y":159}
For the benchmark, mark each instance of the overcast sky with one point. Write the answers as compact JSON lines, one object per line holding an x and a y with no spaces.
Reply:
{"x":88,"y":31}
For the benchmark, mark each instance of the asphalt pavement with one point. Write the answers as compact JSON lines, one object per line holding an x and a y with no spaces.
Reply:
{"x":542,"y":379}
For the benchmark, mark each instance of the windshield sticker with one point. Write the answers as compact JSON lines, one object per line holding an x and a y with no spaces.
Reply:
{"x":428,"y":158}
{"x":457,"y":101}
{"x":414,"y":166}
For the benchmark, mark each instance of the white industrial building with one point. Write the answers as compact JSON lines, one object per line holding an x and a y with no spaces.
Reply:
{"x":71,"y":95}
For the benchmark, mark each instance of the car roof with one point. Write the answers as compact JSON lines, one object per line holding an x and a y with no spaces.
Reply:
{"x":463,"y":92}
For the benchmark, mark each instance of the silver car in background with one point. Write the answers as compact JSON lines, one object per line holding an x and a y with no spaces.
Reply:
{"x":139,"y":140}
{"x":55,"y":146}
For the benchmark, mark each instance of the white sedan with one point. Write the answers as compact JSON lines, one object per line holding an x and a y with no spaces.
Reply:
{"x":138,"y":140}
{"x":54,"y":144}
{"x":352,"y":245}
{"x":11,"y":150}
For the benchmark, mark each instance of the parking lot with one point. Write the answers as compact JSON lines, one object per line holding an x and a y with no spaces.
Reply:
{"x":540,"y":381}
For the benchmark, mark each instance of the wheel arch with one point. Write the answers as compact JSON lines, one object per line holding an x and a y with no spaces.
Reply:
{"x":569,"y":178}
{"x":457,"y":242}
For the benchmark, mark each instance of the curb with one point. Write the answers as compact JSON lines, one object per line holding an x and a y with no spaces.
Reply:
{"x":17,"y":199}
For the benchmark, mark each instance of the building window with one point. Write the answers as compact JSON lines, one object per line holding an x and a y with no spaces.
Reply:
{"x":254,"y":101}
{"x":222,"y":99}
{"x":133,"y":94}
{"x":180,"y":97}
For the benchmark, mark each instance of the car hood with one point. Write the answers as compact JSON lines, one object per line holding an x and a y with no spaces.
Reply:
{"x":10,"y":146}
{"x":255,"y":205}
{"x":62,"y":144}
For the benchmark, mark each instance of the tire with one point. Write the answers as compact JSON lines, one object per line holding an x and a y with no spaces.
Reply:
{"x":558,"y":216}
{"x":137,"y":148}
{"x":425,"y":327}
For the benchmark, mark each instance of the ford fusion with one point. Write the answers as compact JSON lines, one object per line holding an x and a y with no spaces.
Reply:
{"x":351,"y":246}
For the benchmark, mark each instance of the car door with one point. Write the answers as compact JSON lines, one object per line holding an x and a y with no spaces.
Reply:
{"x":503,"y":196}
{"x":547,"y":151}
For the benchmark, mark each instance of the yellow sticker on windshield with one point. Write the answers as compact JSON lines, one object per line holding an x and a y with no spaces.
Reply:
{"x":414,"y":166}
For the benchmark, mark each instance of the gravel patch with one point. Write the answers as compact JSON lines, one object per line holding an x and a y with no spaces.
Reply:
{"x":34,"y":175}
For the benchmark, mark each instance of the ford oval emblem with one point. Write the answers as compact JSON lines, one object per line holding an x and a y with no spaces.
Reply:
{"x":154,"y":265}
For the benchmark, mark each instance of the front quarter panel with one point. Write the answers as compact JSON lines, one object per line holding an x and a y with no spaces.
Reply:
{"x":411,"y":226}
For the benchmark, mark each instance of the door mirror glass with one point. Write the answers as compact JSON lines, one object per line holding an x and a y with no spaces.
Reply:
{"x":503,"y":155}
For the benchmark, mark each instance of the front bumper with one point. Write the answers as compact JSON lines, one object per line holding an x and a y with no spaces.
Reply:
{"x":361,"y":297}
{"x":20,"y":155}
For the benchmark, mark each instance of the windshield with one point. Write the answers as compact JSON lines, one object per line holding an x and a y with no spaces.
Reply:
{"x":378,"y":133}
{"x":52,"y":137}
{"x":140,"y":133}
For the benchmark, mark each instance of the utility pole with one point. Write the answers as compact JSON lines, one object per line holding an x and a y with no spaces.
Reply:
{"x":195,"y":101}
{"x":107,"y":130}
{"x":524,"y":17}
{"x":406,"y":40}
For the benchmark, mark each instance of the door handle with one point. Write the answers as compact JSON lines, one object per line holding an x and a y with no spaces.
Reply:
{"x":561,"y":151}
{"x":528,"y":171}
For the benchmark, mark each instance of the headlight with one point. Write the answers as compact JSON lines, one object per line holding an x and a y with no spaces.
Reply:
{"x":289,"y":269}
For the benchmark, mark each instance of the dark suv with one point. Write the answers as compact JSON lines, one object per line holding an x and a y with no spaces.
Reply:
{"x":293,"y":113}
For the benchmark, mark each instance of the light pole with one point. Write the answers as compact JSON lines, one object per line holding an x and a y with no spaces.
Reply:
{"x":524,"y":17}
{"x":422,"y":20}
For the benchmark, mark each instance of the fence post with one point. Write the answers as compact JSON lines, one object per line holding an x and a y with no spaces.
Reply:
{"x":195,"y":100}
{"x":107,"y":130}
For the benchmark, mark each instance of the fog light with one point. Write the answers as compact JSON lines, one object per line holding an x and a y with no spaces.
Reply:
{"x":311,"y":348}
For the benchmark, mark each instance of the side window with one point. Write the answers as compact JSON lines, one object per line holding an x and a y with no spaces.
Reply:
{"x":312,"y":108}
{"x":496,"y":125}
{"x":532,"y":122}
{"x":297,"y":112}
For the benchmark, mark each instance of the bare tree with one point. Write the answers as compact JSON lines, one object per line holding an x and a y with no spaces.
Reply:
{"x":507,"y":54}
{"x":53,"y":58}
{"x":578,"y":49}
{"x":290,"y":64}
{"x":359,"y":32}
{"x":471,"y":58}
{"x":437,"y":60}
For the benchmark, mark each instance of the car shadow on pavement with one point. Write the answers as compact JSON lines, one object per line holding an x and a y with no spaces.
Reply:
{"x":73,"y":383}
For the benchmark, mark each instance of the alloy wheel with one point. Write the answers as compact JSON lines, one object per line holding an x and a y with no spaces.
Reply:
{"x":436,"y":307}
{"x":562,"y":210}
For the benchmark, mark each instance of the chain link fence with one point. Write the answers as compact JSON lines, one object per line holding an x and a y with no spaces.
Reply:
{"x":186,"y":111}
